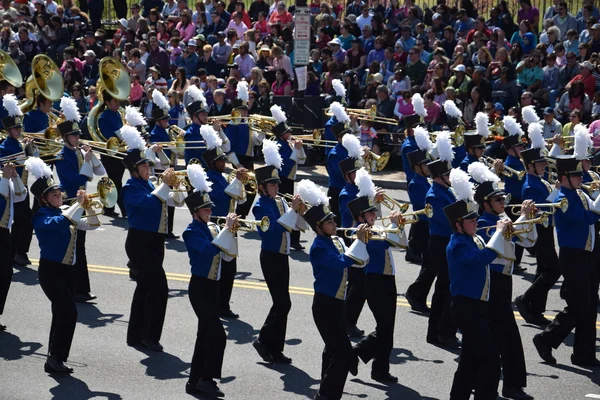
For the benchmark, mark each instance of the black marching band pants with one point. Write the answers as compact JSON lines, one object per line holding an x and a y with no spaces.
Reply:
{"x":580,"y":291}
{"x":381,"y":297}
{"x":276,"y":270}
{"x":244,"y":209}
{"x":207,"y":360}
{"x":80,"y":271}
{"x":287,"y":187}
{"x":440,"y":321}
{"x":115,"y":170}
{"x":479,"y":364}
{"x":547,"y":271}
{"x":146,"y":251}
{"x":513,"y":217}
{"x":56,"y":280}
{"x":355,"y":297}
{"x":6,"y":269}
{"x":506,"y":332}
{"x":228,"y":271}
{"x":338,"y":356}
{"x":420,"y":288}
{"x":21,"y":231}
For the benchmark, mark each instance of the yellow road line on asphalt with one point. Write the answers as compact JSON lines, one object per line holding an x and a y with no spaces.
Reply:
{"x":242,"y":284}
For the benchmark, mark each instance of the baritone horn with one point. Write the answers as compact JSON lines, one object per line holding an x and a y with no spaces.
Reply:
{"x":249,"y":225}
{"x":391,"y":204}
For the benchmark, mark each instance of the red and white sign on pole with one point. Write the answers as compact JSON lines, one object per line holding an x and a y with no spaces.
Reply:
{"x":302,"y":32}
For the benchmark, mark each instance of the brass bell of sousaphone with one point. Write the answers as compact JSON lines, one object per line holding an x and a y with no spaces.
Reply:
{"x":114,"y":80}
{"x":45,"y":80}
{"x":9,"y":71}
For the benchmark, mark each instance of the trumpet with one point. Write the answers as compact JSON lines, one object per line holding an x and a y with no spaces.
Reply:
{"x":592,"y":186}
{"x":249,"y":225}
{"x":391,"y":204}
{"x":371,"y":234}
{"x":563,"y":205}
{"x":542,"y":220}
{"x":507,"y":171}
{"x":414,"y":216}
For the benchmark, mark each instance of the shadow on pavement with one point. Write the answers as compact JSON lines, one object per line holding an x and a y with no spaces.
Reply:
{"x":294,"y":379}
{"x":89,"y":315}
{"x":177,"y":245}
{"x":401,"y":356}
{"x":164,"y":366}
{"x":239,"y":331}
{"x":25,"y":275}
{"x":178,"y":293}
{"x":293,"y":342}
{"x":70,"y":387}
{"x":394,"y":391}
{"x":12,"y":348}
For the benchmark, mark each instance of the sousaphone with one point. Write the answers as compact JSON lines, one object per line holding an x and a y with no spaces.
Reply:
{"x":45,"y":80}
{"x":9,"y":71}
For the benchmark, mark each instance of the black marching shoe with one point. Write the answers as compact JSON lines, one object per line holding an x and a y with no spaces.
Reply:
{"x":449,"y":341}
{"x":353,"y":369}
{"x":280,"y":358}
{"x":228,"y":314}
{"x":523,"y":309}
{"x":354,"y":332}
{"x":543,"y":349}
{"x":111,"y":213}
{"x":55,"y":365}
{"x":383,"y":377}
{"x":585,"y":362}
{"x":2,"y":328}
{"x":518,"y":269}
{"x":262,"y":351}
{"x":416,"y":305}
{"x":21,"y":260}
{"x":152,"y":345}
{"x":516,"y":393}
{"x":171,"y":235}
{"x":84,"y":297}
{"x":297,"y":247}
{"x":209,"y":388}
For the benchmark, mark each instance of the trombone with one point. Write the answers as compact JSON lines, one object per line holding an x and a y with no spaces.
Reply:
{"x":414,"y":216}
{"x":367,"y":115}
{"x":563,"y":205}
{"x":246,"y":225}
{"x":507,"y":171}
{"x":111,"y":148}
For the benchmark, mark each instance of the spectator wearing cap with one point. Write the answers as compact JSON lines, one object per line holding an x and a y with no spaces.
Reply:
{"x":564,"y":20}
{"x":156,"y":80}
{"x":550,"y":125}
{"x":90,"y":68}
{"x":416,"y":69}
{"x":221,"y":52}
{"x":189,"y":60}
{"x":338,"y":53}
{"x":158,"y":57}
{"x":92,"y":44}
{"x":237,"y":24}
{"x":281,"y":16}
{"x":460,"y":81}
{"x":216,"y":26}
{"x":480,"y":26}
{"x":585,"y":76}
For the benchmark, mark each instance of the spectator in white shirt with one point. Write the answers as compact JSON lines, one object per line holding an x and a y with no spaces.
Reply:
{"x":237,"y":25}
{"x":245,"y":61}
{"x":364,"y":18}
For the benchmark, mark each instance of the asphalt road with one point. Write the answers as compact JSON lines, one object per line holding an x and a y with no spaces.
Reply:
{"x":106,"y":368}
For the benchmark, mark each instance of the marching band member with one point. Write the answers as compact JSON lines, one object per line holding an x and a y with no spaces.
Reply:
{"x":475,"y":144}
{"x":340,"y":98}
{"x":206,"y":259}
{"x":56,"y":231}
{"x":12,"y":191}
{"x":75,"y":169}
{"x":330,"y":261}
{"x":441,"y":329}
{"x":243,"y":140}
{"x":532,"y":303}
{"x":501,"y":316}
{"x":292,"y":153}
{"x":468,"y":264}
{"x":146,"y":208}
{"x":225,"y":202}
{"x":409,"y":145}
{"x":418,"y":238}
{"x":110,"y":123}
{"x":37,"y":120}
{"x":22,"y":229}
{"x":159,"y":133}
{"x":275,"y":248}
{"x":576,"y":237}
{"x":380,"y":282}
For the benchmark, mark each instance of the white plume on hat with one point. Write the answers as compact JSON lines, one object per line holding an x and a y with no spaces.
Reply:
{"x":311,"y":194}
{"x":339,"y":88}
{"x":419,"y":105}
{"x":444,"y":146}
{"x":196,"y":94}
{"x":134,"y":117}
{"x":582,"y":143}
{"x":271,"y":152}
{"x":452,"y":110}
{"x":242,"y":91}
{"x":511,"y":125}
{"x":338,"y":110}
{"x":211,"y":137}
{"x":11,"y":105}
{"x":422,"y":138}
{"x":160,"y":100}
{"x":481,"y":122}
{"x":132,"y":138}
{"x":198,"y":178}
{"x":38,"y":168}
{"x":535,"y":136}
{"x":529,"y":115}
{"x":481,"y":173}
{"x":352,"y":144}
{"x":462,"y":186}
{"x":365,"y":184}
{"x":278,"y":113}
{"x":69,"y":109}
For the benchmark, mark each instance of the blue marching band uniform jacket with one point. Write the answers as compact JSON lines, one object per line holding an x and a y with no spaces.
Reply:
{"x":540,"y":191}
{"x":291,"y":157}
{"x":224,"y":203}
{"x":147,"y":206}
{"x":110,"y":123}
{"x":330,"y":266}
{"x":417,"y":191}
{"x":439,"y":197}
{"x":328,"y":134}
{"x":56,"y":231}
{"x":74,"y":172}
{"x":160,"y":134}
{"x":512,"y":184}
{"x":380,"y":258}
{"x":193,"y":134}
{"x":9,"y":147}
{"x":459,"y":154}
{"x":11,"y":191}
{"x":241,"y":138}
{"x":337,"y":154}
{"x":408,"y":146}
{"x":466,"y":161}
{"x":205,"y":257}
{"x":3,"y":112}
{"x":35,"y":121}
{"x":581,"y":212}
{"x":348,"y":193}
{"x":277,"y":238}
